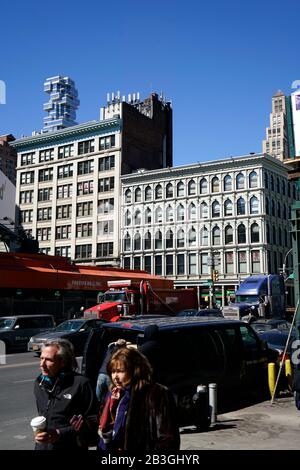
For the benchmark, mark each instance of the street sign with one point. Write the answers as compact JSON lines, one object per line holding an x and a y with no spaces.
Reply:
{"x":209,"y":282}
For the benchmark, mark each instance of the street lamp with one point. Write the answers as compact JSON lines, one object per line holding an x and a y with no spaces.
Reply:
{"x":284,"y":262}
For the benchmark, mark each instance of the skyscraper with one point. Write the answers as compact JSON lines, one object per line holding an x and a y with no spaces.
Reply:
{"x":62,"y":105}
{"x":276,"y":142}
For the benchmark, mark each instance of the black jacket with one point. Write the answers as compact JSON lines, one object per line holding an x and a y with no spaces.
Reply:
{"x":70,"y":395}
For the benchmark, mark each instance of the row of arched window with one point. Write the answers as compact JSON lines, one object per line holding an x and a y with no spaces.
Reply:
{"x":180,"y":189}
{"x":191,"y":214}
{"x":279,"y":186}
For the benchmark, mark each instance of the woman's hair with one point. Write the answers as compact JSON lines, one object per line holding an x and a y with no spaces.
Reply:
{"x":135,"y":364}
{"x":65,"y":350}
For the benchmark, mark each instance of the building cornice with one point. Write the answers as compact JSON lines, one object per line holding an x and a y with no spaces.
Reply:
{"x":72,"y":132}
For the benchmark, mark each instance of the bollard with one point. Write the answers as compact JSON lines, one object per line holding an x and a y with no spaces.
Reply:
{"x":288,"y":373}
{"x":212,"y":391}
{"x":271,"y":377}
{"x":201,"y":413}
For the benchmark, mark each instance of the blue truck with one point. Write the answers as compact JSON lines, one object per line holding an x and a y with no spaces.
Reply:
{"x":261,"y":296}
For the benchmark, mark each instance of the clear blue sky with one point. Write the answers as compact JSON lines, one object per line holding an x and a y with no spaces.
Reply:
{"x":219,"y":62}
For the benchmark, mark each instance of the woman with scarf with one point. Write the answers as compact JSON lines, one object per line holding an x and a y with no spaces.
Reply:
{"x":139,"y":415}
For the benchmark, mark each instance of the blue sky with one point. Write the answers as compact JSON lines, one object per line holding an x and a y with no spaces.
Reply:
{"x":219,"y":62}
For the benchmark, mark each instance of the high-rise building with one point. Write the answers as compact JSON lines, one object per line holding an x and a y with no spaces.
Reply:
{"x":276,"y":142}
{"x":62,"y":105}
{"x":8,"y":157}
{"x":68,"y":181}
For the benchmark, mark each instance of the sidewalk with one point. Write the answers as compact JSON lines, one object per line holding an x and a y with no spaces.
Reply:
{"x":259,"y":427}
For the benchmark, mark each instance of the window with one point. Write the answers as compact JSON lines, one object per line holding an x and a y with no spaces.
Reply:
{"x":204,"y":237}
{"x":26,"y":197}
{"x":158,"y":240}
{"x":169,"y":265}
{"x":26,"y":216}
{"x":64,"y":191}
{"x":127,"y":262}
{"x":137,"y":262}
{"x":228,"y":235}
{"x":255,"y":261}
{"x":254,"y":233}
{"x":273,"y":207}
{"x":241,"y":234}
{"x":148,"y":264}
{"x":64,"y":212}
{"x":267,"y":206}
{"x":87,"y":146}
{"x":216,"y":209}
{"x":227,"y":183}
{"x":158,"y":265}
{"x":105,"y":206}
{"x":192,"y":211}
{"x":203,"y":210}
{"x":158,"y":215}
{"x":241,"y":207}
{"x":147,"y":241}
{"x":229,"y":266}
{"x":272,"y":183}
{"x":254,"y":205}
{"x":44,"y":214}
{"x":215,"y":185}
{"x":180,"y":189}
{"x":203,"y":186}
{"x":107,"y":142}
{"x":278,"y":209}
{"x":216,"y":236}
{"x":106,"y":184}
{"x":127,"y":218}
{"x":204,"y":267}
{"x":84,"y":209}
{"x":266,"y":178}
{"x":105,"y":227}
{"x":137,"y":245}
{"x":228,"y":208}
{"x":27,"y":178}
{"x":85,"y":187}
{"x":242,"y":260}
{"x":191,"y":188}
{"x":148,"y":193}
{"x":27,"y":158}
{"x":180,"y":264}
{"x":85,"y":167}
{"x":138,"y":218}
{"x":127,"y":242}
{"x":83,"y":251}
{"x":65,"y":171}
{"x":148,"y":216}
{"x":180,"y":213}
{"x":105,"y":250}
{"x":180,"y":239}
{"x":85,"y":230}
{"x":62,"y":232}
{"x":268,"y":233}
{"x":127,"y":196}
{"x":169,"y":239}
{"x":107,"y":163}
{"x":169,"y":190}
{"x":192,"y":239}
{"x":46,"y":155}
{"x":240,"y":181}
{"x":65,"y":151}
{"x":46,"y":174}
{"x":192,"y":259}
{"x":253,"y":180}
{"x":158,"y":192}
{"x":169,"y":214}
{"x":43,"y":234}
{"x":63,"y":251}
{"x":138,"y":195}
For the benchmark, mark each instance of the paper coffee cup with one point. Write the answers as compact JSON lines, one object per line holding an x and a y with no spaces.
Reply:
{"x":38,"y":424}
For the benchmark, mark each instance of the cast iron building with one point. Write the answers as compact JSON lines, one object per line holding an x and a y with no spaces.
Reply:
{"x":235,"y":210}
{"x":68,"y":181}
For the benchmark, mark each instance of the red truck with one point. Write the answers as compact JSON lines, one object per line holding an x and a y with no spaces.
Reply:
{"x":129,"y":298}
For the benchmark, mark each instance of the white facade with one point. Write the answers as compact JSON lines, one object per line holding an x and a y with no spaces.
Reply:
{"x":295,"y":101}
{"x":235,"y":210}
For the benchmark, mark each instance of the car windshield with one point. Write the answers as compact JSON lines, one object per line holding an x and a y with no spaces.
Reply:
{"x":6,"y":323}
{"x":187,"y":313}
{"x":248,"y":299}
{"x":114,"y":297}
{"x":70,"y":325}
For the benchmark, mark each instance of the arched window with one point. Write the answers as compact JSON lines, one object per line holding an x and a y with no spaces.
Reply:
{"x":138,"y":195}
{"x":240,"y":181}
{"x":147,"y":241}
{"x":228,"y":235}
{"x":284,"y":212}
{"x":180,"y":239}
{"x":169,"y":239}
{"x":192,"y":211}
{"x":277,"y":185}
{"x":283,"y":190}
{"x":180,"y":189}
{"x":274,"y":235}
{"x":158,"y":240}
{"x":148,"y":193}
{"x":204,"y":237}
{"x":158,"y":215}
{"x":191,"y":188}
{"x":180,"y":213}
{"x":215,"y":209}
{"x":203,"y":210}
{"x":278,"y":209}
{"x":273,"y":208}
{"x":272,"y":183}
{"x":216,"y":236}
{"x":137,"y":242}
{"x":128,"y":196}
{"x":254,"y":205}
{"x":228,"y":208}
{"x":227,"y":183}
{"x":127,"y":242}
{"x":148,"y":216}
{"x":279,"y":236}
{"x":203,"y":186}
{"x":240,"y":206}
{"x":169,"y":190}
{"x":170,"y":214}
{"x":286,"y":243}
{"x":158,"y":192}
{"x":241,"y":234}
{"x":137,"y":217}
{"x":253,"y":180}
{"x":266,"y":180}
{"x":192,"y":237}
{"x":254,"y":233}
{"x":268,"y":234}
{"x":267,"y":206}
{"x":215,"y":185}
{"x":127,"y":218}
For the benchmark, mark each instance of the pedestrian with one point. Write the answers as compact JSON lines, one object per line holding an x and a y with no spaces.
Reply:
{"x":139,"y":415}
{"x":103,"y":380}
{"x":66,"y":399}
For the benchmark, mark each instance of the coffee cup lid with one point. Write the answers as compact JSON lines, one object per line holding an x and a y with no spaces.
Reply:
{"x":38,"y":421}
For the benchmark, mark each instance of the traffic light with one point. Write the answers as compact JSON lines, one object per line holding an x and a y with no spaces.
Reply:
{"x":215,"y":275}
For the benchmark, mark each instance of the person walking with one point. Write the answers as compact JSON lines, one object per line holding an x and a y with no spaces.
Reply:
{"x":66,"y":399}
{"x":139,"y":415}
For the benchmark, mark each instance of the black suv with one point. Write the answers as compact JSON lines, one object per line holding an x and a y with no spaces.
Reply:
{"x":15,"y":331}
{"x":193,"y":351}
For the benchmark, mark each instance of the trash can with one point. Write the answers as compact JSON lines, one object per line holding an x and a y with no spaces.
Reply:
{"x":201,"y":408}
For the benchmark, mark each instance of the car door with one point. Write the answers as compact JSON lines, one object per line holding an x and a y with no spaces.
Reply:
{"x":255,"y":360}
{"x":23,"y":330}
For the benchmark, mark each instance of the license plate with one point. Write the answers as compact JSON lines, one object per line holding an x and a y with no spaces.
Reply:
{"x":35,"y":347}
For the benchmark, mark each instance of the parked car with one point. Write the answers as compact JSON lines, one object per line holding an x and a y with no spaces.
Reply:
{"x":206,"y":312}
{"x":16,"y":330}
{"x":277,"y":338}
{"x":262,"y":324}
{"x":194,"y":351}
{"x":75,"y":330}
